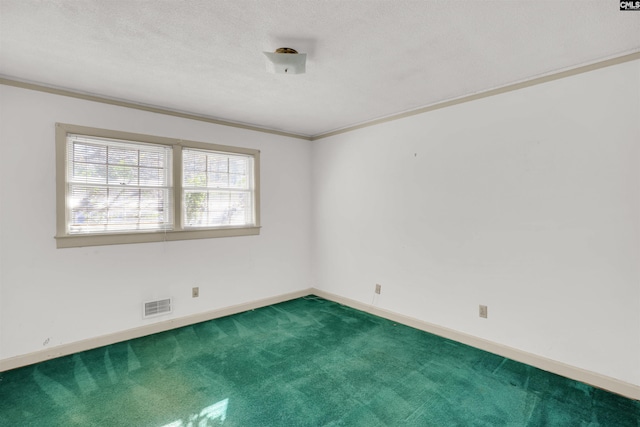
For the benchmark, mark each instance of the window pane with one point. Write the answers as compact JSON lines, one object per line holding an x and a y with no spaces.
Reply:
{"x":240,"y":208}
{"x":151,"y":177}
{"x":89,"y":153}
{"x":238,"y":181}
{"x":152,"y":159}
{"x":238,"y":165}
{"x":218,"y":163}
{"x":194,"y":161}
{"x":195,"y":206}
{"x":194,"y":179}
{"x":122,"y":175}
{"x":90,"y":173}
{"x":194,"y":168}
{"x":123,"y":156}
{"x":218,"y":180}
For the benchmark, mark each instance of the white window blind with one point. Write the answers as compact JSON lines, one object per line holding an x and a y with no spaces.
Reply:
{"x":217,"y":189}
{"x":116,"y":186}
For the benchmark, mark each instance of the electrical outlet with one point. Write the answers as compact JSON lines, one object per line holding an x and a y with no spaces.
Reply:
{"x":195,"y":292}
{"x":378,"y":289}
{"x":483,"y":311}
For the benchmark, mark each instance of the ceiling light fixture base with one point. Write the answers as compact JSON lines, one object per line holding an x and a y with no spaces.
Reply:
{"x":286,"y":60}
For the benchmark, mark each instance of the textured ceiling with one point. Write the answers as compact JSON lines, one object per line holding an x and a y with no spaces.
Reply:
{"x":367,"y":59}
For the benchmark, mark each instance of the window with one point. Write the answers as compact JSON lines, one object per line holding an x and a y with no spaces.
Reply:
{"x":115,"y":187}
{"x":216,"y":188}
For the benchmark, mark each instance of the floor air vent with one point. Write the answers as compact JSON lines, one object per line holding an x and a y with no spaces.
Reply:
{"x":156,"y":308}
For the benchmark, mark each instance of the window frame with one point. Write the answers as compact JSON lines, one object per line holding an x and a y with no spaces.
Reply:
{"x":179,"y":232}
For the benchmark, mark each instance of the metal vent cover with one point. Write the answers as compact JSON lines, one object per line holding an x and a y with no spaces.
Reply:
{"x":156,"y":308}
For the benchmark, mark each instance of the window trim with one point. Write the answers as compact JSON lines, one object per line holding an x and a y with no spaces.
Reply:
{"x":65,"y":240}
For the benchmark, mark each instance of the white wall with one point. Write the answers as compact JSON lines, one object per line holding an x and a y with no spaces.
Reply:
{"x":528,"y":202}
{"x":60,"y":296}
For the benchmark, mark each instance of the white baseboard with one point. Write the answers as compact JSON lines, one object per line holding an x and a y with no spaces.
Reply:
{"x":597,"y":380}
{"x":153,"y":328}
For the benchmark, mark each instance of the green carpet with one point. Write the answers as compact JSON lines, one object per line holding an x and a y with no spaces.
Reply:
{"x":306,"y":362}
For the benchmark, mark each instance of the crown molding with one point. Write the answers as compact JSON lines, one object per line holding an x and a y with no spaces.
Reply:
{"x":421,"y":110}
{"x":144,"y":107}
{"x":485,"y":94}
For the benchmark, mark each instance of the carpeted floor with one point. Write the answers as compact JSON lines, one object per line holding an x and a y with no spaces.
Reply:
{"x":306,"y":362}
